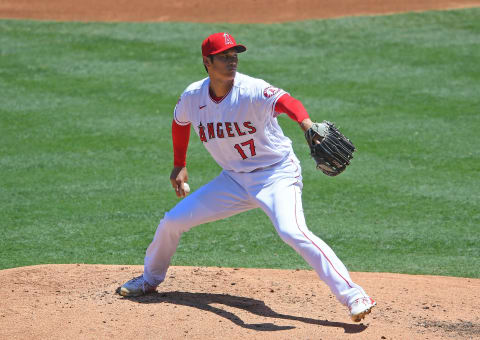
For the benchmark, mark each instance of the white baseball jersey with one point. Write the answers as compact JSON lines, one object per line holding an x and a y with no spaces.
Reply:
{"x":240,"y":131}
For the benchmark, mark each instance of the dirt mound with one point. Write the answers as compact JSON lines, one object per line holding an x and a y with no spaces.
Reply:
{"x":245,"y":11}
{"x":79,"y":301}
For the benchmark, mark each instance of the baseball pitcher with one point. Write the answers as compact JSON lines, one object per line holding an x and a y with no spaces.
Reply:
{"x":235,"y":117}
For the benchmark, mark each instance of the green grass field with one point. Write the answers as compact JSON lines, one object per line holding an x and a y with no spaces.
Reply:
{"x":85,"y":146}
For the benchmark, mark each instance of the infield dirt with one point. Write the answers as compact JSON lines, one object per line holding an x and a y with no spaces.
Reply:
{"x":245,"y":11}
{"x":78,"y":301}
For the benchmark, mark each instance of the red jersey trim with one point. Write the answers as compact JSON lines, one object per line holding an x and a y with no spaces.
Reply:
{"x":179,"y":122}
{"x":218,"y":100}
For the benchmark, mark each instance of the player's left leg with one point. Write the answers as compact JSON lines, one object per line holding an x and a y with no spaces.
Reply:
{"x":282,"y":202}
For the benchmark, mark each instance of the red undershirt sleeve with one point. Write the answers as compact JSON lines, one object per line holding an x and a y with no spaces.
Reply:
{"x":180,"y":138}
{"x":292,"y":107}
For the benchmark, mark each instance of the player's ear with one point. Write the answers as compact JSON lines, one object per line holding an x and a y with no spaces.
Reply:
{"x":207,"y":61}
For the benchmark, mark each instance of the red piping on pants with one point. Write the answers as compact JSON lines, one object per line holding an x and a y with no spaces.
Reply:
{"x":298,"y":226}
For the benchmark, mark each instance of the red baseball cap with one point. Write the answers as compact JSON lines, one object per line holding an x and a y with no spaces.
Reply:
{"x":220,"y":42}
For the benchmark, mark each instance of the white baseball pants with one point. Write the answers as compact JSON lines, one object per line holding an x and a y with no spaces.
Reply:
{"x":277,"y":191}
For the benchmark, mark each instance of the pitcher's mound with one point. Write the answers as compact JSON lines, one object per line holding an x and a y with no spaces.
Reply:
{"x":79,"y":301}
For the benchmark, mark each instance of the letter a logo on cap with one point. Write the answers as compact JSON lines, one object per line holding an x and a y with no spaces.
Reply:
{"x":228,"y":40}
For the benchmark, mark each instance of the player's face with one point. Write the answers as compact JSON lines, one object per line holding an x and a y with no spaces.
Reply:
{"x":224,"y":64}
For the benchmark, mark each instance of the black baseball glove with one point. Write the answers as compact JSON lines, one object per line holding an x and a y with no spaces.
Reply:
{"x":330,"y":149}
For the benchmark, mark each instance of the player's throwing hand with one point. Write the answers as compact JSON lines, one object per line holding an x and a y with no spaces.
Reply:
{"x":178,"y":178}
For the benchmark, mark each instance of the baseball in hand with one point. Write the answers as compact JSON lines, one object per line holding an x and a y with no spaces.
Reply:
{"x":186,"y":187}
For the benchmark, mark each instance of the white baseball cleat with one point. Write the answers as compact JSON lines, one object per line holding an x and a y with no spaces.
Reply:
{"x":360,"y":308}
{"x":136,"y":287}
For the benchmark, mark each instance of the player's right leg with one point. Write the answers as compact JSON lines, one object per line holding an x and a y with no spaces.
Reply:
{"x":218,"y":199}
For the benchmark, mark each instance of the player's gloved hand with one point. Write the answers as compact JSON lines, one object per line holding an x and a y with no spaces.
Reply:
{"x":178,"y":177}
{"x":330,"y":149}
